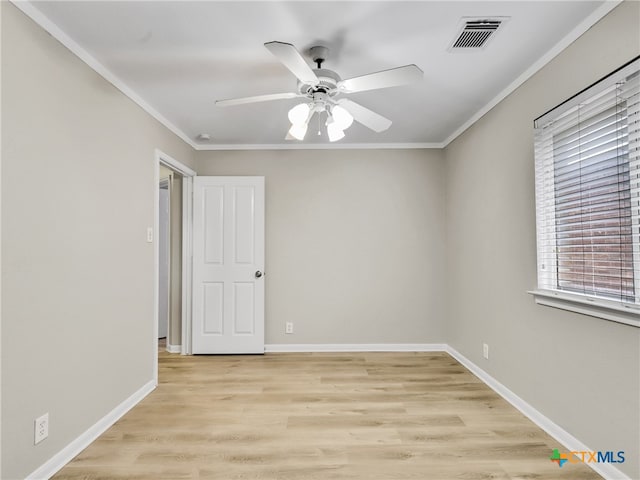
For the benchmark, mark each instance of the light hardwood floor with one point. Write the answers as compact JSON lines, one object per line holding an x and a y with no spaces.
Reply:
{"x":366,"y":416}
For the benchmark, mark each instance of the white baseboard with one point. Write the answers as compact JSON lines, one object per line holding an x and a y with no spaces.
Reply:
{"x":570,"y":442}
{"x":354,"y":347}
{"x":174,"y":348}
{"x":64,"y":456}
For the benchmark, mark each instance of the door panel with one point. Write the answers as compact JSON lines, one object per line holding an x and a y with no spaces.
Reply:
{"x":213,"y":295}
{"x":228,"y":250}
{"x":213,"y":224}
{"x":243,"y":308}
{"x":244,"y":225}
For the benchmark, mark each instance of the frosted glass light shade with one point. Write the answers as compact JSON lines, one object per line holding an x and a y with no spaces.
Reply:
{"x":298,"y":131}
{"x":334,"y":132}
{"x":341,"y":117}
{"x":299,"y":114}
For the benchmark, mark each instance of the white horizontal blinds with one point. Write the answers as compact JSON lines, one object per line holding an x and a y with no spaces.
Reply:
{"x":630,"y":90}
{"x":545,"y":208}
{"x":588,"y":194}
{"x":593,"y":200}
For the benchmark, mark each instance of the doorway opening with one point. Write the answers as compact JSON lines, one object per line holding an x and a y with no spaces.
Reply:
{"x":169,"y":260}
{"x":172,"y":255}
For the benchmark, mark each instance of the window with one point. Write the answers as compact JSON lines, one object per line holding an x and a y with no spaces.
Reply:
{"x":587,"y":155}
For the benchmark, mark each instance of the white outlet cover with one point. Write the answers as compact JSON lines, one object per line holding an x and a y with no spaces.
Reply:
{"x":41,"y":428}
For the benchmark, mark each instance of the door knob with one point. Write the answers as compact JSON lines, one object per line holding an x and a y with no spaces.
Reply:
{"x":258,"y":274}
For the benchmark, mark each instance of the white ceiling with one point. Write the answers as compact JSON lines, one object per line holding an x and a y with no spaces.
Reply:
{"x":177,"y":58}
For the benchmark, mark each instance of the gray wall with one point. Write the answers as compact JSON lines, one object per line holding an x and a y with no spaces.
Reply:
{"x":581,"y":372}
{"x":77,"y":273}
{"x":354,"y":242}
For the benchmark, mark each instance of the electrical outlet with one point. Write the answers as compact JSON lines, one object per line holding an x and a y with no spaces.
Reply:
{"x":288,"y":328}
{"x":150,"y":234}
{"x":41,"y":428}
{"x":485,"y":351}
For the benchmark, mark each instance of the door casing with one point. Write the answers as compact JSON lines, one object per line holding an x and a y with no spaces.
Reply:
{"x":187,"y":205}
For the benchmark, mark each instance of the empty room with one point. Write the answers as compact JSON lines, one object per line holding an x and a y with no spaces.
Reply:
{"x":290,"y":240}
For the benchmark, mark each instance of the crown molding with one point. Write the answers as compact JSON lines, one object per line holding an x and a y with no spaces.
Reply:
{"x":39,"y":18}
{"x":32,"y":12}
{"x":319,"y":146}
{"x":571,"y":37}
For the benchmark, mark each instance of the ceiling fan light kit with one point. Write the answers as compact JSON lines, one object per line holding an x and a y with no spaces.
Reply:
{"x":299,"y":114}
{"x":338,"y":119}
{"x":334,"y":133}
{"x":320,"y":87}
{"x":298,"y":131}
{"x":341,"y":117}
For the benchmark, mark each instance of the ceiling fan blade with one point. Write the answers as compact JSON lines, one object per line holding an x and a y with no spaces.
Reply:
{"x":291,"y":58}
{"x":366,"y":117}
{"x":386,"y":78}
{"x":258,"y":98}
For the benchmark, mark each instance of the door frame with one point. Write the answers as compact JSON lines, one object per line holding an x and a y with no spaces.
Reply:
{"x":161,"y":158}
{"x":165,"y":184}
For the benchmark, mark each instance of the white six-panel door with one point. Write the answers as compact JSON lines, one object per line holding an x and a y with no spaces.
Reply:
{"x":228,"y":263}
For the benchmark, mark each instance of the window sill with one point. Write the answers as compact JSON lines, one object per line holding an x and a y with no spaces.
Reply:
{"x":604,"y":309}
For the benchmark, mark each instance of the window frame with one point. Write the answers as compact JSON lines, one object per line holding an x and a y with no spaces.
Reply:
{"x":596,"y":306}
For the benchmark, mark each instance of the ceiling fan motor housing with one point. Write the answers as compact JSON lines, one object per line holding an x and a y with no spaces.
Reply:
{"x":328,"y":83}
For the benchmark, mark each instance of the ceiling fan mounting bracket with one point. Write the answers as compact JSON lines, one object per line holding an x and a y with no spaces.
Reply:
{"x":319,"y":54}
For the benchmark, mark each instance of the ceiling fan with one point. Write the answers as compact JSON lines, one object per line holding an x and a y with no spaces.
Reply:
{"x":321,"y":89}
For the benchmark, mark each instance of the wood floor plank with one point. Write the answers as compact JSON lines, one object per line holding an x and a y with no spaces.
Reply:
{"x":328,"y":416}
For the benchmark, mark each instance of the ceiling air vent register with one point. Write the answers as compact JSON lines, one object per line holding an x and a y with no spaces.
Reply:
{"x":475,"y":33}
